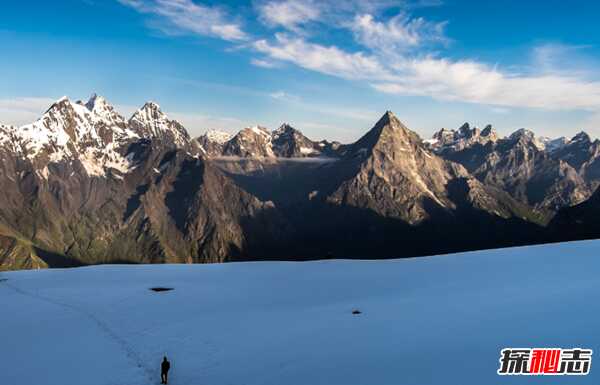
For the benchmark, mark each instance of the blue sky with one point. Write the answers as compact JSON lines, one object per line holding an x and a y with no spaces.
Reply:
{"x":329,"y":68}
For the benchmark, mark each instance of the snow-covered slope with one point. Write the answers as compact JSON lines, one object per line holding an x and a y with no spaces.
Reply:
{"x":437,"y":320}
{"x":212,"y":142}
{"x":150,"y":122}
{"x":93,"y":133}
{"x":251,"y":142}
{"x":218,"y":136}
{"x":90,"y":133}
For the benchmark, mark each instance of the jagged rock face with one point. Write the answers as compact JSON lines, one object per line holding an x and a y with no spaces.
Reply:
{"x":396,"y":174}
{"x":583,"y":155}
{"x":526,"y":136}
{"x":258,"y":142}
{"x":253,"y":142}
{"x":577,"y":222}
{"x":66,"y":204}
{"x":456,"y":140}
{"x":521,"y":166}
{"x":551,"y":145}
{"x":171,"y":208}
{"x":151,"y":122}
{"x":531,"y":175}
{"x":387,"y":195}
{"x":18,"y":255}
{"x":82,"y":186}
{"x":291,"y":143}
{"x":70,"y":132}
{"x":398,"y":177}
{"x":577,"y":151}
{"x":212,"y":142}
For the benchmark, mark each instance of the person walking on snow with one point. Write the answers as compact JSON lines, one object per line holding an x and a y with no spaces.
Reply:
{"x":164,"y":370}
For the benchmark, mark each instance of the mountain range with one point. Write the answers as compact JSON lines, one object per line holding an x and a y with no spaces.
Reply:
{"x":83,"y":185}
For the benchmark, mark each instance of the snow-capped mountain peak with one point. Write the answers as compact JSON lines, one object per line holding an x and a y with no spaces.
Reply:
{"x":105,"y":112}
{"x":259,"y":130}
{"x":150,"y":122}
{"x":217,"y":136}
{"x":465,"y":136}
{"x":285,"y":127}
{"x":67,"y":131}
{"x":526,"y":135}
{"x":551,"y":144}
{"x":522,"y":132}
{"x":254,"y":141}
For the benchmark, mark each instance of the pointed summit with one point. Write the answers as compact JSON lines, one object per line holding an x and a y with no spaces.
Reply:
{"x":149,"y":114}
{"x":150,"y":122}
{"x":289,"y":142}
{"x":284,"y":128}
{"x":390,"y":119}
{"x":60,"y":103}
{"x":582,"y":136}
{"x":91,"y":102}
{"x":150,"y":105}
{"x":388,"y":134}
{"x":488,"y":131}
{"x":522,"y":133}
{"x":98,"y":103}
{"x":62,"y":100}
{"x":100,"y":108}
{"x":466,"y":127}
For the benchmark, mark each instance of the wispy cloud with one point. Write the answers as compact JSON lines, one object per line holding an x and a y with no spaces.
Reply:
{"x":281,"y":95}
{"x":475,"y":82}
{"x":398,"y":34}
{"x":23,"y":110}
{"x":289,"y":14}
{"x":299,"y":16}
{"x":327,"y":110}
{"x":326,"y":59}
{"x":265,"y":63}
{"x":391,"y":70}
{"x":188,"y":17}
{"x":392,"y":51}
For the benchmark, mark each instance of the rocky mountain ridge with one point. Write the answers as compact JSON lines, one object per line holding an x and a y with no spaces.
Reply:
{"x":547,"y":174}
{"x":83,"y":185}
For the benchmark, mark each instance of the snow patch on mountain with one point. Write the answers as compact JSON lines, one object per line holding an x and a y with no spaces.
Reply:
{"x":150,"y":122}
{"x":219,"y":137}
{"x":260,"y":130}
{"x":91,"y":132}
{"x":461,"y":138}
{"x":551,"y":144}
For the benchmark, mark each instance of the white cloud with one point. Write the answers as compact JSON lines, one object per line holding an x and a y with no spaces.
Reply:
{"x":23,"y":110}
{"x":289,"y":14}
{"x":326,"y":59}
{"x":476,"y":82}
{"x":299,"y":15}
{"x":265,"y":63}
{"x":398,"y":34}
{"x":439,"y":78}
{"x":397,"y":57}
{"x":188,"y":17}
{"x":284,"y":96}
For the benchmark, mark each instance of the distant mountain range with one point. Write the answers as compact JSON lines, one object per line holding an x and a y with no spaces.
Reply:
{"x":83,"y":185}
